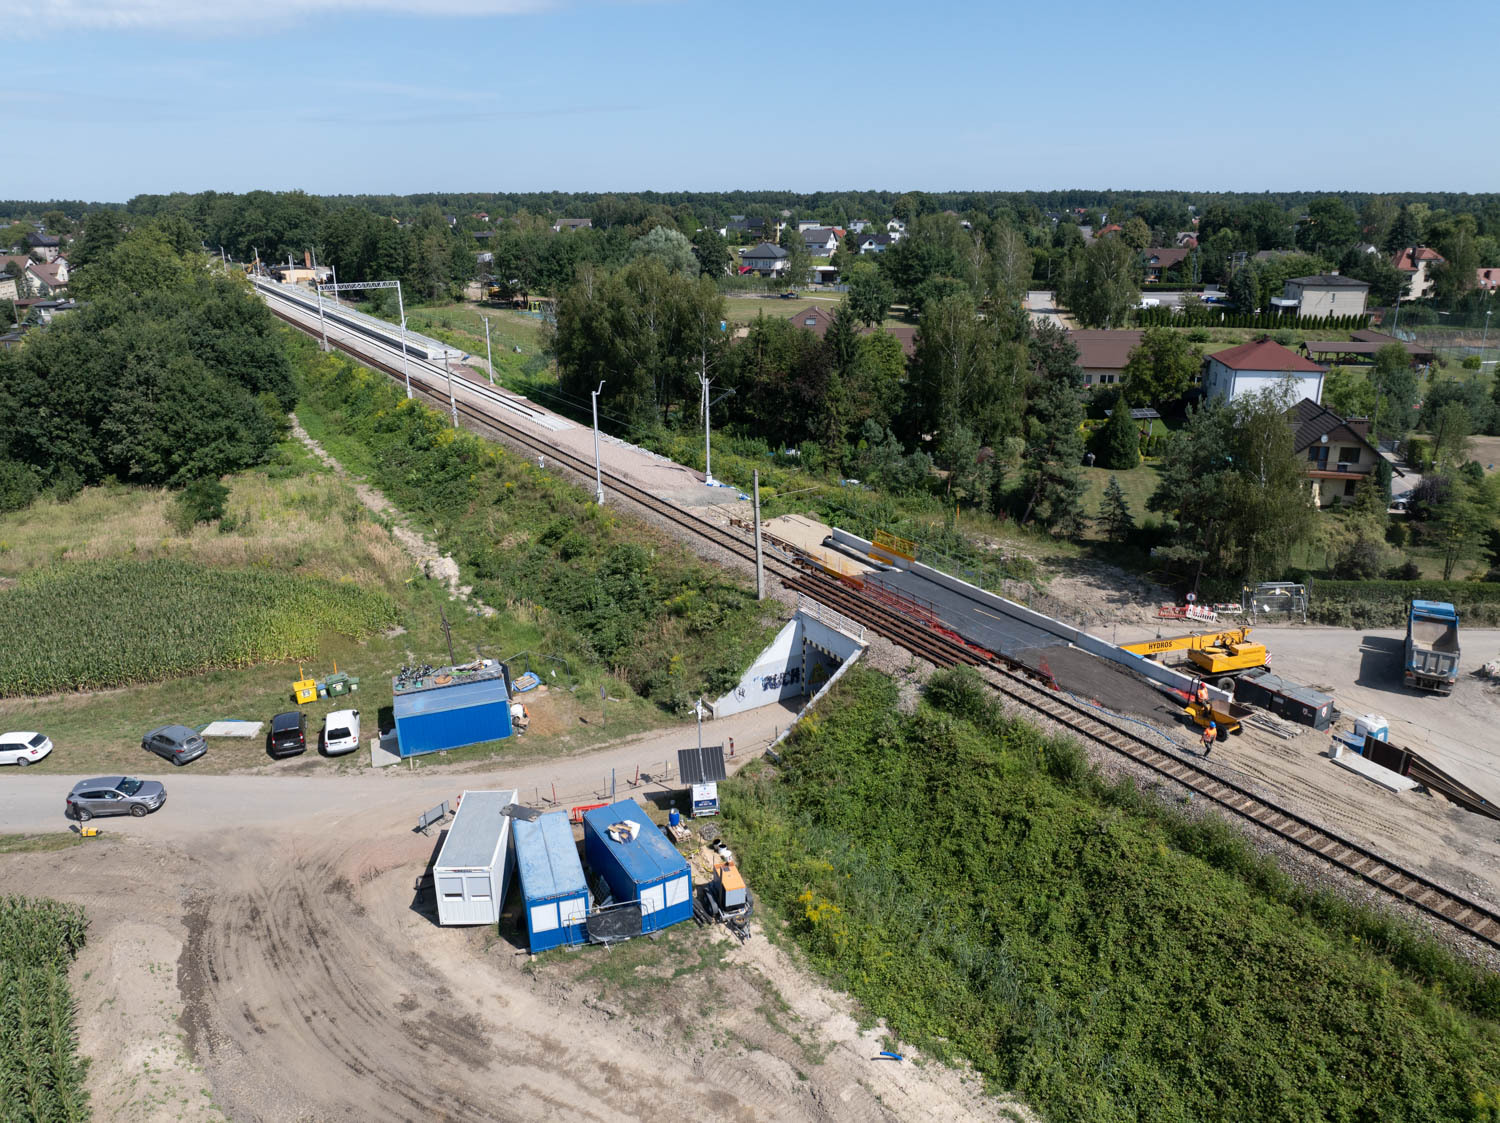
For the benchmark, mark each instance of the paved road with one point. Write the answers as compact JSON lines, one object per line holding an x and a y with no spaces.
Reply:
{"x":207,"y":804}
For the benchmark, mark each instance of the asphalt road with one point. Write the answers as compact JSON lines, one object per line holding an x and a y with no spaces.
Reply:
{"x":975,"y":622}
{"x":208,"y":804}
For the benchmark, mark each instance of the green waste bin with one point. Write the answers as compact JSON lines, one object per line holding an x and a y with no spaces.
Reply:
{"x":338,"y":685}
{"x":353,"y":683}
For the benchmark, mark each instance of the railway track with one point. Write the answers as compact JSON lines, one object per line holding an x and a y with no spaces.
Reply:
{"x":1014,"y":681}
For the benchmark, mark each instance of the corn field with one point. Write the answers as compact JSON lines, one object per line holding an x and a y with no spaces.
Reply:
{"x":41,"y":1073}
{"x":100,"y":624}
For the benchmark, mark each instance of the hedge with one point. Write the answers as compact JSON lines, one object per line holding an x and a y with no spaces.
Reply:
{"x":1216,"y":316}
{"x":1366,"y":603}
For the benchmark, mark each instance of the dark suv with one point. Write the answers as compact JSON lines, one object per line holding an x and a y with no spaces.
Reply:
{"x":176,"y":743}
{"x":288,"y":734}
{"x":114,"y":795}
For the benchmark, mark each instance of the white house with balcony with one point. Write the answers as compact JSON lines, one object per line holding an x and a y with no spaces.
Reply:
{"x":1260,"y":365}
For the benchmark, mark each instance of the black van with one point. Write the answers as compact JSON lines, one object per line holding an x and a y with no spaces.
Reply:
{"x":288,"y":734}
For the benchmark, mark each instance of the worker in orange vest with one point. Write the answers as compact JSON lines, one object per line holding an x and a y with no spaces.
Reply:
{"x":1210,"y":734}
{"x":1202,"y":693}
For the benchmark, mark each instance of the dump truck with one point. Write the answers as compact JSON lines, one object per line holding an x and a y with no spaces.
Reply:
{"x":1432,"y":646}
{"x":1218,"y":656}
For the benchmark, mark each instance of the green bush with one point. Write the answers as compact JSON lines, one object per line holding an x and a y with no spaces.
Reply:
{"x":18,"y":486}
{"x":202,"y":501}
{"x":978,"y":886}
{"x":1385,"y":602}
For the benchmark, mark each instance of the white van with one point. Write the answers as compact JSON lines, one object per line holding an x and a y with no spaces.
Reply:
{"x":341,"y":732}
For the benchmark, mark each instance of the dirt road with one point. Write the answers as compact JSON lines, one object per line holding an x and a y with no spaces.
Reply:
{"x":258,"y":949}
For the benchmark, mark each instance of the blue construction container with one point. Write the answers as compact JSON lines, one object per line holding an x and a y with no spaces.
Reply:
{"x":553,"y":888}
{"x":647,"y":869}
{"x":433,"y":715}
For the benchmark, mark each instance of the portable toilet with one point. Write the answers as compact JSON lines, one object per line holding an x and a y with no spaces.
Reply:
{"x":472,"y":872}
{"x":1372,"y":725}
{"x":646,"y":868}
{"x":553,"y":888}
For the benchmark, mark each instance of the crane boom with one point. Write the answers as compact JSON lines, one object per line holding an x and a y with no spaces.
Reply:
{"x":1196,"y":641}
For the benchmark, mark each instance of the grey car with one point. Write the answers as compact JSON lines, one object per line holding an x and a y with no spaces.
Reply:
{"x":114,"y":795}
{"x":176,"y":743}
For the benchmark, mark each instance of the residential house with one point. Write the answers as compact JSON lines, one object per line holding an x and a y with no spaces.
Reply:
{"x":1187,"y":239}
{"x":47,"y":277}
{"x":820,"y":241}
{"x":481,"y":216}
{"x":895,"y":226}
{"x":874,"y":243}
{"x":1325,"y":294}
{"x":451,"y":219}
{"x":483,"y":235}
{"x":1102,"y":355}
{"x":45,"y":247}
{"x":1162,"y":258}
{"x":1489,"y":279}
{"x":485,"y":258}
{"x":1417,"y":262}
{"x":16,"y":269}
{"x":1112,"y":228}
{"x":805,"y":224}
{"x":571,"y":224}
{"x":766,"y":259}
{"x":1261,"y":364}
{"x":817,"y":319}
{"x":1337,"y":454}
{"x":8,"y":290}
{"x":860,"y":225}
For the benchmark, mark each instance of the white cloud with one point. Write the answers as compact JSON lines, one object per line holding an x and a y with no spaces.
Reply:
{"x":211,"y":16}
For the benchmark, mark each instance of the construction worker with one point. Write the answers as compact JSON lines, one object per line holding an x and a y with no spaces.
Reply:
{"x":1202,"y":693}
{"x":1210,"y":734}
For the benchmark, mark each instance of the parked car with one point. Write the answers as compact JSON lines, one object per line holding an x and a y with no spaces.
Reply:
{"x":23,"y":748}
{"x":176,"y":743}
{"x":288,"y":734}
{"x":341,"y":732}
{"x":114,"y":795}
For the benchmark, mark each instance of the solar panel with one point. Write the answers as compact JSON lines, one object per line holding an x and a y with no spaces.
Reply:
{"x":701,"y":766}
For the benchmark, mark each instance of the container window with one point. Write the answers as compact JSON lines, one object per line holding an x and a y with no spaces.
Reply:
{"x":479,"y":888}
{"x":653,"y":900}
{"x":574,"y":911}
{"x":543,"y":917}
{"x":451,"y":886}
{"x":677,"y":891}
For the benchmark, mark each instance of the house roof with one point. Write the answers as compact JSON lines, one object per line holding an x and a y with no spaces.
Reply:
{"x":1311,"y":422}
{"x":1489,"y":278}
{"x":818,"y":235}
{"x":44,"y":239}
{"x":47,"y":271}
{"x":765,"y":249}
{"x":875,"y":240}
{"x":1112,"y":228}
{"x":1104,"y":350}
{"x":1328,"y":281}
{"x":1408,"y":259}
{"x":1265,"y":354}
{"x":572,"y":223}
{"x":1167,"y":256}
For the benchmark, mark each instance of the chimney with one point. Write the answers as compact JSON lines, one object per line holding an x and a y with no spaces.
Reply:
{"x":1359,"y":425}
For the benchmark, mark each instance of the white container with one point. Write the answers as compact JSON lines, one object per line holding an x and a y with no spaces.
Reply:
{"x":1372,"y":725}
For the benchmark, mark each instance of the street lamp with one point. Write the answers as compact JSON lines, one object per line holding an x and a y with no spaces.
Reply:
{"x":598,"y":472}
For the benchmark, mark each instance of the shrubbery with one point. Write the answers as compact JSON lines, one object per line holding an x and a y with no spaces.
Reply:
{"x":977,"y":885}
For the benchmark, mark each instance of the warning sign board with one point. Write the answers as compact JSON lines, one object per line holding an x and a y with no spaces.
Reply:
{"x":896,"y":545}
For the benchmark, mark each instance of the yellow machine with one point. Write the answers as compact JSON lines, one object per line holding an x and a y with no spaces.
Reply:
{"x":1223,"y":654}
{"x":1226,"y":715}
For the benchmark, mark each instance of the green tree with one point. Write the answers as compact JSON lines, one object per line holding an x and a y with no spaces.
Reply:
{"x":712,"y":253}
{"x":1114,"y":512}
{"x":1102,"y":283}
{"x":1329,"y":228}
{"x":1244,"y":288}
{"x":870,"y":293}
{"x":1136,"y":234}
{"x":1395,"y":385}
{"x":1233,"y":487}
{"x":1451,"y":429}
{"x":1405,"y":232}
{"x":1463,"y":519}
{"x":1052,"y":472}
{"x":1120,"y":439}
{"x":1456,"y":240}
{"x":1161,"y":367}
{"x":1348,"y":394}
{"x":670,"y":247}
{"x":965,"y":374}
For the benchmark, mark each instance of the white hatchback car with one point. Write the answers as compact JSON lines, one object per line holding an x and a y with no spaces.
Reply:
{"x":341,"y":732}
{"x":23,"y":748}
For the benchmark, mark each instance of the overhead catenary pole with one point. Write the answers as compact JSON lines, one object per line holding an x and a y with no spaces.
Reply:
{"x":760,"y":560}
{"x":322,"y":323}
{"x":708,"y":448}
{"x":401,"y":308}
{"x":452,"y":401}
{"x":489,"y":358}
{"x":598,"y":470}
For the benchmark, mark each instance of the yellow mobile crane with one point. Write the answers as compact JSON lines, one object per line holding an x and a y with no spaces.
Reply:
{"x":1217,"y":656}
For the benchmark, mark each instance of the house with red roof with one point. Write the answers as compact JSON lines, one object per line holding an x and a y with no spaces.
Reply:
{"x":1261,"y":364}
{"x":1417,"y":262}
{"x":1489,"y":279}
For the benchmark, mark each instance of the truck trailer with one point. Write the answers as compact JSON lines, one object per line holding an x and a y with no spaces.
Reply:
{"x":1432,"y":646}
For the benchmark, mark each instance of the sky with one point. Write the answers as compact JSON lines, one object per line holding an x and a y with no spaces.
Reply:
{"x":123,"y":97}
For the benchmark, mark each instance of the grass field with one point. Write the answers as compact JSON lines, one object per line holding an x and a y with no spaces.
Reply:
{"x":293,"y":518}
{"x":979,"y":887}
{"x":1137,"y":484}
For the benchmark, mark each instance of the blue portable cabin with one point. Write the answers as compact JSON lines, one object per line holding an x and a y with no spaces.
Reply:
{"x":647,"y":869}
{"x":431,"y":715}
{"x":553,"y":887}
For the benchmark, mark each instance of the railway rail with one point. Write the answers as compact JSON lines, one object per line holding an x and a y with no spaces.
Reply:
{"x":1014,"y":681}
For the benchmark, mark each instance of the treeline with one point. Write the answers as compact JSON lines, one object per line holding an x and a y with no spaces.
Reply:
{"x":1212,"y":317}
{"x":169,"y":372}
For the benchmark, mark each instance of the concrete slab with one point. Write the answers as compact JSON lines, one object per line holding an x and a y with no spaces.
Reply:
{"x":233,"y":729}
{"x":383,"y":752}
{"x":1345,"y":757}
{"x":973,"y":621}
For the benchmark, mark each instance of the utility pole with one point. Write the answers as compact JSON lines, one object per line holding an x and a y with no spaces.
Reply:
{"x":489,"y":359}
{"x":322,"y":323}
{"x":760,"y":560}
{"x":448,"y":635}
{"x":401,"y":308}
{"x":598,"y":471}
{"x":452,"y":401}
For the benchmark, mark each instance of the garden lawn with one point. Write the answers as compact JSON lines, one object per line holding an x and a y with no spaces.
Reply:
{"x":981,"y":889}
